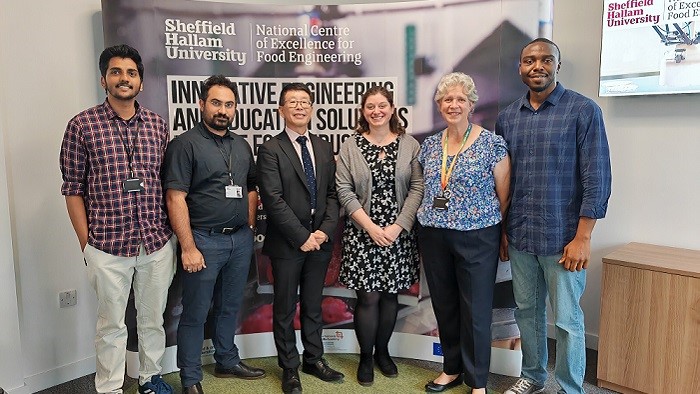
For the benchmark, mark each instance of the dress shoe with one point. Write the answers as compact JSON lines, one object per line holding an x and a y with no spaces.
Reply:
{"x":365,"y":370}
{"x":291,"y":384}
{"x":386,"y":365}
{"x":321,"y":370}
{"x":194,"y":389}
{"x":433,"y":387}
{"x":241,"y":371}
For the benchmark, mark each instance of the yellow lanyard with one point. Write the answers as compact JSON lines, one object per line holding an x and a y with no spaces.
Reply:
{"x":445,"y":173}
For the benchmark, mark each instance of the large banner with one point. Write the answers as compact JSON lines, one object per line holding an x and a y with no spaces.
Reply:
{"x":650,"y":47}
{"x":339,"y":52}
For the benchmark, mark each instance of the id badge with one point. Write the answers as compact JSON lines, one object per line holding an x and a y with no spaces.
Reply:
{"x":441,"y":203}
{"x":133,"y":185}
{"x":234,"y":191}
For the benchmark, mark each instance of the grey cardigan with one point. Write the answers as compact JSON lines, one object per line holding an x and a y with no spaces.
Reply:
{"x":353,"y":180}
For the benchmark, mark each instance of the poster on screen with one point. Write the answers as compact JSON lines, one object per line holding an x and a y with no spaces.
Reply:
{"x":650,"y":47}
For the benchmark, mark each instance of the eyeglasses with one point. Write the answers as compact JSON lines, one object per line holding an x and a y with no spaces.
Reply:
{"x":217,"y":104}
{"x":293,"y":103}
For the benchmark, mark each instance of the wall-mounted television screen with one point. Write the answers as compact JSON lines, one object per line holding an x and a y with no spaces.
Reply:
{"x":650,"y":47}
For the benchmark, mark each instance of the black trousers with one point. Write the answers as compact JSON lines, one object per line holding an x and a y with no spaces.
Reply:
{"x":305,"y":271}
{"x":460,"y":267}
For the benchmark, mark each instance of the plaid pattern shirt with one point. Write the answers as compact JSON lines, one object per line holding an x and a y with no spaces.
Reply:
{"x":94,"y":162}
{"x":560,"y":169}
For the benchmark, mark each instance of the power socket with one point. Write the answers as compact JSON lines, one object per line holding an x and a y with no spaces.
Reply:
{"x":67,"y":298}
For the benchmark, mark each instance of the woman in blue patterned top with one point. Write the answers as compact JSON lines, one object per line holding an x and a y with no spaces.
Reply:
{"x":467,"y":177}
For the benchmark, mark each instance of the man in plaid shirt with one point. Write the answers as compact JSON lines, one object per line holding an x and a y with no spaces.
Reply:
{"x":560,"y":186}
{"x":110,"y":160}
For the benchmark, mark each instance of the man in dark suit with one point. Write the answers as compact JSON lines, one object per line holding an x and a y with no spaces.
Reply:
{"x":296,"y":176}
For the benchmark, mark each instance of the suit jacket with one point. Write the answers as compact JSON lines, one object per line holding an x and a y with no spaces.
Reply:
{"x":285,"y":195}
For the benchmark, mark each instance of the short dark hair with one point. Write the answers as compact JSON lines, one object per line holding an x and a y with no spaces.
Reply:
{"x":122,"y":51}
{"x":546,"y":41}
{"x":394,"y":125}
{"x":295,"y":86}
{"x":218,"y":80}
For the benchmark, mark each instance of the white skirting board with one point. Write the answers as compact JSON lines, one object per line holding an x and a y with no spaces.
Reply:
{"x":420,"y":347}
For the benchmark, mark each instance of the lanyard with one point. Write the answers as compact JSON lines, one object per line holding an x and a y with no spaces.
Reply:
{"x":227,"y":157}
{"x":446,"y":173}
{"x":129,"y":148}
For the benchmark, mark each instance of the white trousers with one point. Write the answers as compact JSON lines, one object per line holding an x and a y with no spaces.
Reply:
{"x":111,"y":277}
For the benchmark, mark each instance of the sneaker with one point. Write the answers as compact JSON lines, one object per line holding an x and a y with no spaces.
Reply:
{"x":524,"y":386}
{"x":156,"y":386}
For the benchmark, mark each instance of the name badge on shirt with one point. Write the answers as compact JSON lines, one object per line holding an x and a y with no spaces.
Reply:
{"x":234,"y":191}
{"x":133,"y":185}
{"x":440,"y":203}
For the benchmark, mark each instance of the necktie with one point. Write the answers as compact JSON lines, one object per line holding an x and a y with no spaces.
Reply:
{"x":308,"y":169}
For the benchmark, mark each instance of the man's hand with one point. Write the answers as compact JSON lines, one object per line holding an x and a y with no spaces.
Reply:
{"x":311,"y":244}
{"x":192,"y":260}
{"x":503,"y":250}
{"x":78,"y":218}
{"x":576,"y":254}
{"x":320,"y":236}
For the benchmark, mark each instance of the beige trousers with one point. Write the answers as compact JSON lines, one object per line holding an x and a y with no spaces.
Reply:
{"x":112,"y":277}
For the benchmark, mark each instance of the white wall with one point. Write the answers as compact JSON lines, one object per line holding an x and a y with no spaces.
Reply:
{"x":48,"y":73}
{"x":10,"y":346}
{"x":655,"y":154}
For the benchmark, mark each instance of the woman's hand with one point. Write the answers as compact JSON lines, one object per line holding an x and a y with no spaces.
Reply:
{"x":392,"y":231}
{"x":378,"y":235}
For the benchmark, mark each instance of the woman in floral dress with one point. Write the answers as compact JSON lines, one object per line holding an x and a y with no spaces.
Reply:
{"x":379,"y":184}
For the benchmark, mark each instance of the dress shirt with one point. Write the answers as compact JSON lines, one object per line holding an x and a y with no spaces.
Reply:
{"x":94,"y":162}
{"x":560,"y":169}
{"x":297,"y":148}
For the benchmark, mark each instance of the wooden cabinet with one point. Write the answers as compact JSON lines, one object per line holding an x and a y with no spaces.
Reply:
{"x":650,"y":320}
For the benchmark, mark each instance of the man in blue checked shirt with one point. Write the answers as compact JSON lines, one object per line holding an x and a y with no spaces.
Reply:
{"x":560,"y":186}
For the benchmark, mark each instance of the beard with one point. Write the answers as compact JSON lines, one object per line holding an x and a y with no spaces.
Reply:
{"x":539,"y":87}
{"x":220,"y":123}
{"x":117,"y":93}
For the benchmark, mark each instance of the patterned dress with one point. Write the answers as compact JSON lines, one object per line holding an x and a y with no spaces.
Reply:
{"x":367,"y":266}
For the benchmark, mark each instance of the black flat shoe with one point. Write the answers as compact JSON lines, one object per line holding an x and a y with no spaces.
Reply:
{"x":432,"y":387}
{"x":386,"y":366}
{"x":365,"y":371}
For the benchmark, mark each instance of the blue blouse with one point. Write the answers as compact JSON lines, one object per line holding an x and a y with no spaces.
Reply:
{"x":473,"y":202}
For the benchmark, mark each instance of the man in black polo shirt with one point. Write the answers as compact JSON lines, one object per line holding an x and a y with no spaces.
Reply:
{"x":211,"y":198}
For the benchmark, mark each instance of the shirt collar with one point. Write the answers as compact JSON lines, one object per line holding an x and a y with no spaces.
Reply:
{"x":293,"y":135}
{"x":204,"y":131}
{"x":111,"y":114}
{"x":552,"y":99}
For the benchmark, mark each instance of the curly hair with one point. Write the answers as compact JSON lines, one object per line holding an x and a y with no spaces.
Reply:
{"x":457,"y":79}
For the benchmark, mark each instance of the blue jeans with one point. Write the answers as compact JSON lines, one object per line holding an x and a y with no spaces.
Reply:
{"x":228,"y":260}
{"x":533,"y":278}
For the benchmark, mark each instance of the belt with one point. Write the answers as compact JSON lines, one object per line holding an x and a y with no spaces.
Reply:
{"x":220,"y":230}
